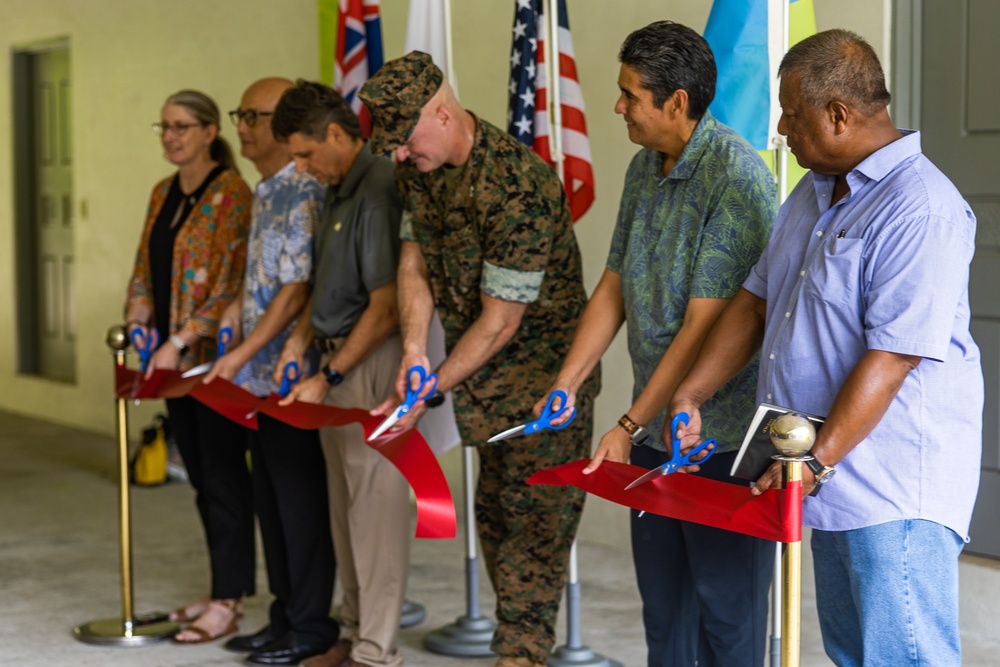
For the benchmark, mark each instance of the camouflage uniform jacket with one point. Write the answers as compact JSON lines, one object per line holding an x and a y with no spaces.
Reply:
{"x":503,"y":229}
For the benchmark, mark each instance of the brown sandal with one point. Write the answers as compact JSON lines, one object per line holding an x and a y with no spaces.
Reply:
{"x":232,"y":608}
{"x":191,"y":612}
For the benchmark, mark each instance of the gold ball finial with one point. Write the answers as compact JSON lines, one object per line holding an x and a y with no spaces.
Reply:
{"x":792,"y":434}
{"x":117,"y":338}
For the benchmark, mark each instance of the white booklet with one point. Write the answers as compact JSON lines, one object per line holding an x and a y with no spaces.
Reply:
{"x":756,"y":451}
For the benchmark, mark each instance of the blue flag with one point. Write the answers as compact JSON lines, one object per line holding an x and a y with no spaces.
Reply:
{"x":737,"y":31}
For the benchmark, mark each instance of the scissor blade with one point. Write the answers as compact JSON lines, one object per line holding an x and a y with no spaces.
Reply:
{"x":198,"y":370}
{"x":387,"y":423}
{"x":651,"y":475}
{"x":509,"y":433}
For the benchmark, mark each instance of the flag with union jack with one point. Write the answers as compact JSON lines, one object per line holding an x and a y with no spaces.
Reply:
{"x":528,"y":110}
{"x":359,"y":52}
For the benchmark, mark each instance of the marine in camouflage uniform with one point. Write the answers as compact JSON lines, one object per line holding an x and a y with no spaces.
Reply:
{"x":498,"y":224}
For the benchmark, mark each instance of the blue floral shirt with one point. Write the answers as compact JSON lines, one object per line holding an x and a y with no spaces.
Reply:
{"x":694,"y":233}
{"x":279,"y":252}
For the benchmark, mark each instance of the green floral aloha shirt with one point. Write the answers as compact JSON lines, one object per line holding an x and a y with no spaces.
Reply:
{"x":695,"y":233}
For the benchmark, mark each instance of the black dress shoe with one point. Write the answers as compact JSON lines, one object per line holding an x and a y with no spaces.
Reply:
{"x":254,"y":642}
{"x":289,"y":650}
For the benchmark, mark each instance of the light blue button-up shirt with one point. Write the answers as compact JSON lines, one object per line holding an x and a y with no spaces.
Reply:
{"x":885,"y":268}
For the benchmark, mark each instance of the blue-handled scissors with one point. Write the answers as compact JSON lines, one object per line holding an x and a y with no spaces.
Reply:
{"x":425,"y":379}
{"x":144,"y":344}
{"x":225,"y":335}
{"x":676,"y":460}
{"x":544,"y":421}
{"x":289,"y":377}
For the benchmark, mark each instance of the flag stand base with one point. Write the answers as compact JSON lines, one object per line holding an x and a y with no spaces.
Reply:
{"x":470,"y":635}
{"x":413,"y":614}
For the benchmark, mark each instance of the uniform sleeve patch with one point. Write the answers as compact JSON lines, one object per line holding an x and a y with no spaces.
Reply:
{"x":511,"y":285}
{"x":406,"y":227}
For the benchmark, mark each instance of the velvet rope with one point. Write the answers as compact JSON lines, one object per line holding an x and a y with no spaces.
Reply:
{"x":407,"y":450}
{"x":774,"y":515}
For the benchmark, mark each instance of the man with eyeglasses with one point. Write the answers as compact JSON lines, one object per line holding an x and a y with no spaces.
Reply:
{"x":289,"y":478}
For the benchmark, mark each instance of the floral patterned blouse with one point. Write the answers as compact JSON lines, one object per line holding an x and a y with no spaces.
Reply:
{"x":209,"y":259}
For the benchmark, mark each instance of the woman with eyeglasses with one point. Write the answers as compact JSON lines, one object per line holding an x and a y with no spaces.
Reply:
{"x":188,"y":268}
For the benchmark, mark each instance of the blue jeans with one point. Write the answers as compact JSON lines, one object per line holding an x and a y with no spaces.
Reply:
{"x":887,"y":595}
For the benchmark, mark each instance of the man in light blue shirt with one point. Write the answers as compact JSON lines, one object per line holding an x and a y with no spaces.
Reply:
{"x":861,"y":300}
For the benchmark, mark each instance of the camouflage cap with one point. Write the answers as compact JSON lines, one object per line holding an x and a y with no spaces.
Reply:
{"x":395,"y":96}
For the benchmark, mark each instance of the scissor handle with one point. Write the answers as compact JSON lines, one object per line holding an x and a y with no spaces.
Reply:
{"x":225,"y":335}
{"x":290,"y":376}
{"x":548,"y":414}
{"x":413,"y":395}
{"x":144,"y":345}
{"x":675,"y":443}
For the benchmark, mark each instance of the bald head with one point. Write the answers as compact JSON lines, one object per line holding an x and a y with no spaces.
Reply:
{"x":257,"y":142}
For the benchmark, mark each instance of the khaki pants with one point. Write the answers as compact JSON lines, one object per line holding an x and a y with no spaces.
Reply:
{"x":369,"y":516}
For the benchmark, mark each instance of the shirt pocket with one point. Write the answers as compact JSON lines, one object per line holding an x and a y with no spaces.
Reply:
{"x":835,"y":276}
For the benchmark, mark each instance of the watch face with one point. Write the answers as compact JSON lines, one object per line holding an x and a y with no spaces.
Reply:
{"x":640,"y":437}
{"x":826,"y":475}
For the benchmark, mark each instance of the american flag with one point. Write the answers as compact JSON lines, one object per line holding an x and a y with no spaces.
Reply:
{"x":359,"y":52}
{"x":528,"y":110}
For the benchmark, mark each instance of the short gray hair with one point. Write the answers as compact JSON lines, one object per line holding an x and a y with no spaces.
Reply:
{"x":838,"y":64}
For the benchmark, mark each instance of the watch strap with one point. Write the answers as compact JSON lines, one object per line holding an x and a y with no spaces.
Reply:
{"x":628,"y":424}
{"x":333,"y":378}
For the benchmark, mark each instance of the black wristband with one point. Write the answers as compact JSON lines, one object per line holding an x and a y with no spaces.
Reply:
{"x":333,"y":378}
{"x":434,"y":400}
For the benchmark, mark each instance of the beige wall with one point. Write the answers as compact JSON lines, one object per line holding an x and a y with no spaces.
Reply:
{"x":127,"y":55}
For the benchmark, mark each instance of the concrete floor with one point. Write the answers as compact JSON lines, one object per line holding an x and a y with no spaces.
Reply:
{"x":59,"y":567}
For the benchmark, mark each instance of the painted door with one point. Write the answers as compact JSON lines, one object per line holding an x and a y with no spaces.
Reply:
{"x":960,"y":124}
{"x":56,"y":313}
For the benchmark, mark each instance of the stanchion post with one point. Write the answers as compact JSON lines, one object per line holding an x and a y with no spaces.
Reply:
{"x":124,"y":502}
{"x":791,"y":584}
{"x":126,"y":630}
{"x":792,"y":435}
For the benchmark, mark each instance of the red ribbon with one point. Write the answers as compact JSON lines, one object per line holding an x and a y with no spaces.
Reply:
{"x":407,"y":450}
{"x":774,"y":515}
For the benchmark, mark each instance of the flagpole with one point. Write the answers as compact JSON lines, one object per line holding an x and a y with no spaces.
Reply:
{"x":449,"y":55}
{"x":778,"y":591}
{"x":555,"y":89}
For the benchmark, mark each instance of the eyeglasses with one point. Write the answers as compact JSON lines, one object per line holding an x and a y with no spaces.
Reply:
{"x":248,"y":116}
{"x":179,"y":129}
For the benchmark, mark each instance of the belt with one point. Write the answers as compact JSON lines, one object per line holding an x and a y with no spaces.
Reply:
{"x":328,"y":345}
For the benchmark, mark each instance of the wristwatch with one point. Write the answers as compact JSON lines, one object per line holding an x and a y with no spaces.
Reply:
{"x":179,"y":343}
{"x":636,"y":433}
{"x":434,"y":400}
{"x":333,"y":378}
{"x":823,"y":473}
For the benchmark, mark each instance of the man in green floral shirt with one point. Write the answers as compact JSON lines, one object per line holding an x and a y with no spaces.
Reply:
{"x":695,"y":215}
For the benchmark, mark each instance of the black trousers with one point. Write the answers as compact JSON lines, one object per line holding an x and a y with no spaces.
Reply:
{"x":290,"y":496}
{"x":704,"y":590}
{"x":214,"y":451}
